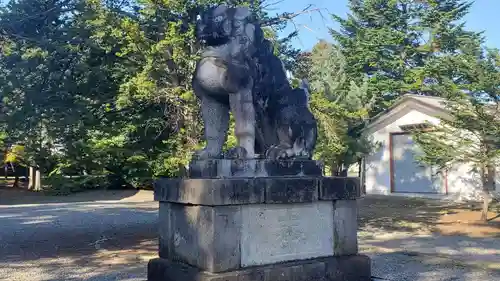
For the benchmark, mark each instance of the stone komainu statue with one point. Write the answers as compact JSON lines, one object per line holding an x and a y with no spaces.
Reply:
{"x":239,"y":72}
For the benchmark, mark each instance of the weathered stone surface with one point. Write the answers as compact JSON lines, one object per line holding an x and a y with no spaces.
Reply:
{"x":238,"y":191}
{"x":165,"y":230}
{"x":203,"y":236}
{"x":345,"y":227}
{"x":214,"y":192}
{"x":347,"y":268}
{"x":225,"y":168}
{"x":210,"y":192}
{"x":290,"y":190}
{"x":339,"y":188}
{"x":219,"y":238}
{"x":269,"y":114}
{"x":274,"y":233}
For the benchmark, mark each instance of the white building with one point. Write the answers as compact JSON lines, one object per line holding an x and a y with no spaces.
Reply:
{"x":392,"y":168}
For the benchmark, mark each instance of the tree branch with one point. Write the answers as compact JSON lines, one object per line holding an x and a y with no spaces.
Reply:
{"x":288,"y":16}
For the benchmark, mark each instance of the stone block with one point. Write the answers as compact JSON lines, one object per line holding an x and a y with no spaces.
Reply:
{"x":227,"y":168}
{"x":348,"y":268}
{"x":345,"y":227}
{"x":339,"y":188}
{"x":220,"y":238}
{"x":274,"y":233}
{"x":165,"y":230}
{"x":237,"y":191}
{"x":202,"y":236}
{"x":290,"y":190}
{"x":210,"y":192}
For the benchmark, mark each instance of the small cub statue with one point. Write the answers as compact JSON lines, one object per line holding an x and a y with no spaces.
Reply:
{"x":295,"y":125}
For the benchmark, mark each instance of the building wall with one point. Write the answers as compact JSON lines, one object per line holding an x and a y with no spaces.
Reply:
{"x":377,"y":164}
{"x":462,"y":183}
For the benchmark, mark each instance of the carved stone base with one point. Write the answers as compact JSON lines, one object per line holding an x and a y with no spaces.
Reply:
{"x":219,"y":225}
{"x":295,"y":225}
{"x":343,"y":268}
{"x":267,"y":190}
{"x":226,"y":168}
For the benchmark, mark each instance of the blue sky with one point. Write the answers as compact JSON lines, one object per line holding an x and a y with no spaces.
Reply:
{"x":482,"y":17}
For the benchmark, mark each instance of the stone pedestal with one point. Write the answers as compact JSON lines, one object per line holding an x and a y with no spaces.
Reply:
{"x":258,"y":220}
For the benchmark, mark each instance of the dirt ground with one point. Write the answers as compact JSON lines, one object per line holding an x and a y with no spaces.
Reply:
{"x":391,"y":213}
{"x":426,"y":215}
{"x":21,"y":196}
{"x":391,"y":229}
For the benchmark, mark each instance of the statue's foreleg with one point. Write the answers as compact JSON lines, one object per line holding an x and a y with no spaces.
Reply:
{"x":244,"y":116}
{"x":310,"y":140}
{"x":216,"y":118}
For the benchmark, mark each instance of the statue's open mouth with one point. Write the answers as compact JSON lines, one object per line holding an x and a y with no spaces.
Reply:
{"x":212,"y":39}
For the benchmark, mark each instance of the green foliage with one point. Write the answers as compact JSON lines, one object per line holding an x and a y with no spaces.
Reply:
{"x":398,"y":44}
{"x":15,"y":155}
{"x":471,"y":132}
{"x":61,"y":185}
{"x":341,"y":113}
{"x":104,"y":87}
{"x":94,"y":87}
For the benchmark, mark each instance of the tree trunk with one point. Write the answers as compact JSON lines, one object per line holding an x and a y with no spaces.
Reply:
{"x":38,"y":180}
{"x":16,"y":176}
{"x":16,"y":182}
{"x":488,"y":178}
{"x":334,"y":170}
{"x":486,"y":204}
{"x":31,"y":180}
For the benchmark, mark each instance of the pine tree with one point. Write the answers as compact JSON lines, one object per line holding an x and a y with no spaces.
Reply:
{"x":471,"y":132}
{"x":396,"y":42}
{"x":340,"y":113}
{"x":378,"y":41}
{"x":103,"y":87}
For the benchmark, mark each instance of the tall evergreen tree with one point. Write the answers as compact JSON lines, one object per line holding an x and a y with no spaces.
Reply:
{"x":471,"y":133}
{"x":92,"y":86}
{"x":340,"y":113}
{"x":393,"y":41}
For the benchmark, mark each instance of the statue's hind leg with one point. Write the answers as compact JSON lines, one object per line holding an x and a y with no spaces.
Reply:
{"x":216,"y":118}
{"x":244,"y":116}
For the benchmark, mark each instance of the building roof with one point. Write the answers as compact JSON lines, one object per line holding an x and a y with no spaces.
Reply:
{"x":434,"y":106}
{"x":433,"y":101}
{"x":427,"y":104}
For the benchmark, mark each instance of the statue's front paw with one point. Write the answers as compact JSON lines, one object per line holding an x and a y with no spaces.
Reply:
{"x":204,"y":154}
{"x":278,"y":153}
{"x":237,"y":152}
{"x":304,"y":155}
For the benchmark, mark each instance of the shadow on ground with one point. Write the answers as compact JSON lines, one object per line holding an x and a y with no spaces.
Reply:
{"x":130,"y":264}
{"x":483,"y":252}
{"x":393,"y":213}
{"x":22,"y":196}
{"x":126,"y":262}
{"x":404,"y":266}
{"x":64,"y":229}
{"x":424,"y":239}
{"x":78,"y":240}
{"x":96,"y":240}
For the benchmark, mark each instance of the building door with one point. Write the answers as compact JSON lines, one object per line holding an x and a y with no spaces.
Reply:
{"x":408,"y":175}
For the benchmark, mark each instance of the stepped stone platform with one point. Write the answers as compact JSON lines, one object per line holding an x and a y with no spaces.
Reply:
{"x":252,"y":220}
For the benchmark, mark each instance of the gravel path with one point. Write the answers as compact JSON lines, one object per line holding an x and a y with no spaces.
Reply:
{"x":104,"y":240}
{"x":113,"y":240}
{"x":483,"y":251}
{"x":397,"y":266}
